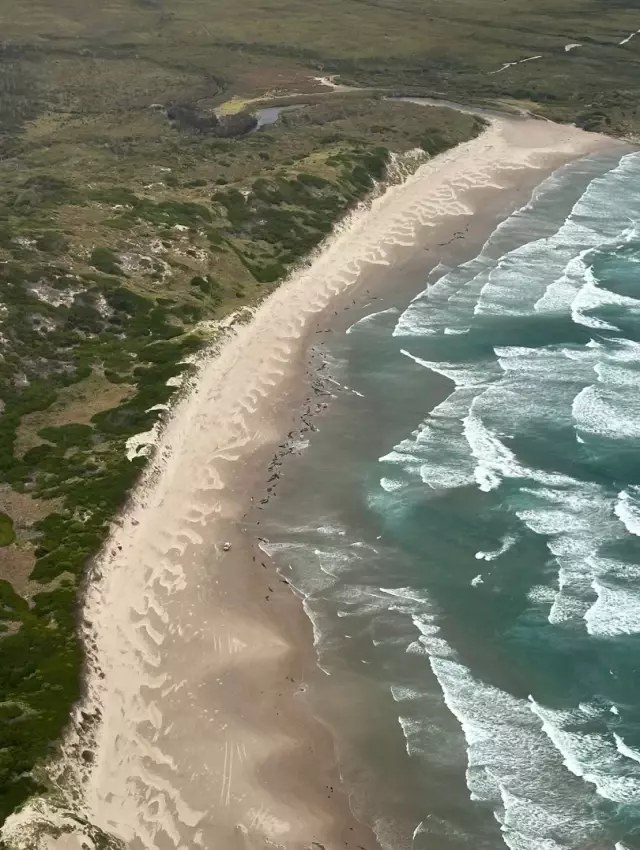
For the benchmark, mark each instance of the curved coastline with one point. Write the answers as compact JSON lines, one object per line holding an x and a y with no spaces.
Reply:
{"x":195,"y":726}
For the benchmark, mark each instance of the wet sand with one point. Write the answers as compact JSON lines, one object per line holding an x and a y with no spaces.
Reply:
{"x":196,"y":729}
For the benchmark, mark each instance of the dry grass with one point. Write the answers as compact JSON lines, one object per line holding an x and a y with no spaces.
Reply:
{"x":75,"y":404}
{"x":17,"y":562}
{"x":22,"y":508}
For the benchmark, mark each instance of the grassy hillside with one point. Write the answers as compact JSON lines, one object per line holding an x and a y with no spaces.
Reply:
{"x":136,"y":207}
{"x":74,"y":60}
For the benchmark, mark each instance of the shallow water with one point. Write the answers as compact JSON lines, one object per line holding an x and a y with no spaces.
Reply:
{"x":465,"y":528}
{"x":270,"y":114}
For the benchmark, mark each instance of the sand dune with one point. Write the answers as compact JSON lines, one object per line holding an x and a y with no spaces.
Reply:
{"x":195,"y":730}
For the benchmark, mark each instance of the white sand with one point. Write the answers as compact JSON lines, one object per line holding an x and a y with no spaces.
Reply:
{"x":201,"y":741}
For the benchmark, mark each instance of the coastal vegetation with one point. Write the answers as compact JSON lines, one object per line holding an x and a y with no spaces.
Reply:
{"x":109,"y":275}
{"x":139,"y":204}
{"x":7,"y":535}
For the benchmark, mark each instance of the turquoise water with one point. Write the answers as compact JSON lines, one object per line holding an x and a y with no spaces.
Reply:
{"x":465,"y":528}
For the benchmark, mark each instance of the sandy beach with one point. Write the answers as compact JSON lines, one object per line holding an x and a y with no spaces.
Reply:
{"x":196,"y":729}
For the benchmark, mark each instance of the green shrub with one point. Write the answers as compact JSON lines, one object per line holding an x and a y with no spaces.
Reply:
{"x":38,"y":396}
{"x":52,"y":242}
{"x":119,"y":222}
{"x":116,"y":377}
{"x":38,"y":456}
{"x":594,"y":120}
{"x":434,"y":143}
{"x":268,"y":273}
{"x":84,"y":316}
{"x":68,"y":435}
{"x":190,"y":313}
{"x":5,"y":235}
{"x":169,"y":213}
{"x":235,"y":203}
{"x":105,"y":260}
{"x":313,"y":180}
{"x":215,"y":237}
{"x":116,"y":195}
{"x":125,"y":301}
{"x":7,"y":534}
{"x":45,"y":189}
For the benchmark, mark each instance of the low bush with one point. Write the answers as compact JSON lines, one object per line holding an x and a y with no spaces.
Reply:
{"x":105,"y":260}
{"x":68,"y":435}
{"x":51,"y":242}
{"x":7,"y":534}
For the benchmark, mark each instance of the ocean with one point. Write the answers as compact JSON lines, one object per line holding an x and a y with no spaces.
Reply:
{"x":464,"y":528}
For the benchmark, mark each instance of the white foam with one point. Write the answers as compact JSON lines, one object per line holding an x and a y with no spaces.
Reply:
{"x":401,"y":693}
{"x":409,"y":594}
{"x":331,"y":530}
{"x":629,"y":37}
{"x":588,"y":755}
{"x":507,"y":542}
{"x":437,"y":451}
{"x":575,"y":287}
{"x":626,"y":750}
{"x":427,"y":625}
{"x":537,"y":386}
{"x":449,"y":305}
{"x":517,"y":62}
{"x":627,"y":509}
{"x":615,"y":612}
{"x":541,"y":595}
{"x":607,"y":412}
{"x":411,"y":729}
{"x":462,"y":374}
{"x":370,"y":318}
{"x":578,"y":519}
{"x":392,"y":484}
{"x":591,"y":297}
{"x":483,"y":286}
{"x":511,"y":764}
{"x":495,"y":460}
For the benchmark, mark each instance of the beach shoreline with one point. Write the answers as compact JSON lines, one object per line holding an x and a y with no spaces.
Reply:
{"x":200,"y":660}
